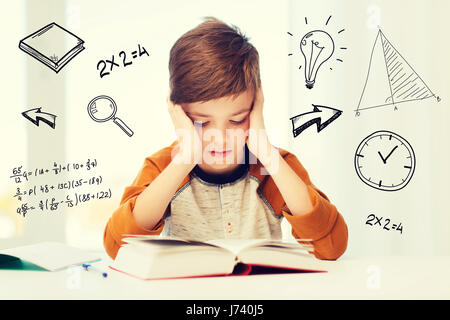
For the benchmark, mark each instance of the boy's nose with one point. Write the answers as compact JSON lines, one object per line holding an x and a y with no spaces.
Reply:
{"x":220,"y":139}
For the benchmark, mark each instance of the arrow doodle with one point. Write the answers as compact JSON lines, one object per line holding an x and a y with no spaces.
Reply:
{"x":316,"y":116}
{"x":35,"y":115}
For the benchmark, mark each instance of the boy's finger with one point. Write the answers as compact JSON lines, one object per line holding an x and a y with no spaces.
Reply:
{"x":174,"y":108}
{"x":258,"y":101}
{"x":177,"y":109}
{"x":170,"y":104}
{"x":259,"y":96}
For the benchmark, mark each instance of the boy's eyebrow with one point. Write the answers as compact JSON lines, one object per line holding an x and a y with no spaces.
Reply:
{"x":207,"y":115}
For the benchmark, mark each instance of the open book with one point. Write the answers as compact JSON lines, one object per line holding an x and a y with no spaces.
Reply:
{"x":158,"y":257}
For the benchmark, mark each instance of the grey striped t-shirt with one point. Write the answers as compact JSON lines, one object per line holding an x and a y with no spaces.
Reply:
{"x":208,"y":208}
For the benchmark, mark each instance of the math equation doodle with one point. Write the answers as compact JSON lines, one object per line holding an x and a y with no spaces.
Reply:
{"x":52,"y":195}
{"x":123,"y":61}
{"x":373,"y":220}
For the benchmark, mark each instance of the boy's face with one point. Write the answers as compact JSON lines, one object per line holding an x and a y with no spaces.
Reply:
{"x":225,"y":124}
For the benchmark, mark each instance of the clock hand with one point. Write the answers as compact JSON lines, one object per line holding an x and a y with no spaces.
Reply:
{"x":390,"y":153}
{"x":384,"y":161}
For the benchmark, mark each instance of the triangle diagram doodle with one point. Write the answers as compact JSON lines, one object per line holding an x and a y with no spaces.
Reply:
{"x":390,"y":78}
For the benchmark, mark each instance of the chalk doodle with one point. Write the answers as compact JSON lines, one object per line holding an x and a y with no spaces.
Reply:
{"x":35,"y":115}
{"x":27,"y":189}
{"x":52,"y":45}
{"x":102,"y":64}
{"x":390,"y":79}
{"x":103,"y":108}
{"x":20,"y":174}
{"x":373,"y":220}
{"x":385,"y":161}
{"x":317,"y":47}
{"x":322,"y":116}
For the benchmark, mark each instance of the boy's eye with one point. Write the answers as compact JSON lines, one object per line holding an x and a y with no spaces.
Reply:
{"x":202,"y":123}
{"x":205,"y":123}
{"x":238,"y":122}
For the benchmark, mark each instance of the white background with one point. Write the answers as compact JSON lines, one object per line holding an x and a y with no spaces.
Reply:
{"x":416,"y":28}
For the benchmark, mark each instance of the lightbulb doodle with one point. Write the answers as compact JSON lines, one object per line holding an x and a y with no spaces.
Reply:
{"x":385,"y":161}
{"x":317,"y":47}
{"x":322,"y":116}
{"x":390,"y":79}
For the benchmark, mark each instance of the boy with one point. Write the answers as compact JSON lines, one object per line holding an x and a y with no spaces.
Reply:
{"x":222,"y":178}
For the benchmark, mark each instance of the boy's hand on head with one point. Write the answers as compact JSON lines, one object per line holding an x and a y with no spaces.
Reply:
{"x":257,"y":140}
{"x":189,"y":148}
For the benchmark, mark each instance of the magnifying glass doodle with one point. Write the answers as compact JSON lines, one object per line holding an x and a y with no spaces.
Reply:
{"x":102,"y":109}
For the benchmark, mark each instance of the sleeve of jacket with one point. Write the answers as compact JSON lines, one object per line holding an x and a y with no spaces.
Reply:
{"x":324,"y":225}
{"x":122,"y":220}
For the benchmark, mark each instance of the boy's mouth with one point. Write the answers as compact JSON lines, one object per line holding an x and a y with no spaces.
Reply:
{"x":220,"y":153}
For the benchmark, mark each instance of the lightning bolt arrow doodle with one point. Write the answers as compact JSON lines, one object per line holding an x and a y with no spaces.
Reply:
{"x":316,"y":116}
{"x":35,"y":115}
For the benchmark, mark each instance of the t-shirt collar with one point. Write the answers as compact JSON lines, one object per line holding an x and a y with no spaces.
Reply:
{"x":240,"y":171}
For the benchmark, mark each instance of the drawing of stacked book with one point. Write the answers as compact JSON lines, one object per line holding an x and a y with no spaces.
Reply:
{"x":52,"y":45}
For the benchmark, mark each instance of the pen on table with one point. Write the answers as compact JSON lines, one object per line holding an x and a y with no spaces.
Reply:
{"x":89,"y":267}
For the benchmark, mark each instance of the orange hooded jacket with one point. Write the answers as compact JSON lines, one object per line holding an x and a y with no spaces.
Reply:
{"x":323,"y":224}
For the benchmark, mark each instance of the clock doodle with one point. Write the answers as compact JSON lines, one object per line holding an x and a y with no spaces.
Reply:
{"x":385,"y":161}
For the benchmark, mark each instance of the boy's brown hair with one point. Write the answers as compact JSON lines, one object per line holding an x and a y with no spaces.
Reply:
{"x":212,"y":61}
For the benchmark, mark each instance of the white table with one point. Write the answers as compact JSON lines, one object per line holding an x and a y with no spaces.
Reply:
{"x":349,"y":278}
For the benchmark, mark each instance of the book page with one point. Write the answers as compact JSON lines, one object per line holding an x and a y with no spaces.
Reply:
{"x":164,"y":240}
{"x":233,"y":245}
{"x":236,"y":245}
{"x":284,"y":258}
{"x":168,"y":245}
{"x":239,"y":245}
